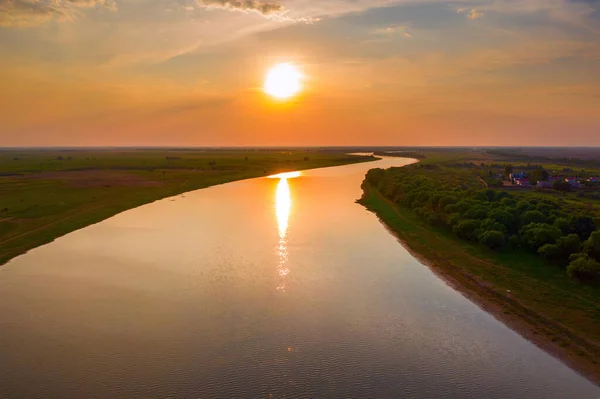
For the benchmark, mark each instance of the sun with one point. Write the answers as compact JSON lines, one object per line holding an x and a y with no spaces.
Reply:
{"x":283,"y":81}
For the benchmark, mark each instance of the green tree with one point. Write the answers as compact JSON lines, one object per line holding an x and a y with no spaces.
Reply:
{"x":539,"y":175}
{"x":503,"y":216}
{"x":537,"y":235}
{"x":570,"y":244}
{"x":562,"y":250}
{"x":466,"y":229}
{"x":562,"y":224}
{"x":491,"y":224}
{"x":508,"y":169}
{"x":532,"y":217}
{"x":584,"y":268}
{"x":492,"y":238}
{"x":583,"y":226}
{"x":592,"y":245}
{"x":550,"y":252}
{"x":476,"y":212}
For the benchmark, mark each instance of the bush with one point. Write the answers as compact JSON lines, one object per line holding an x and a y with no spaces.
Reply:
{"x":562,"y":250}
{"x":584,"y":268}
{"x":466,"y":229}
{"x":550,"y":252}
{"x":562,"y":224}
{"x":592,"y":245}
{"x":561,"y":186}
{"x":476,"y":212}
{"x":514,"y":241}
{"x":532,"y":217}
{"x":570,"y":244}
{"x":493,"y":239}
{"x":583,"y":226}
{"x":537,"y":235}
{"x":501,"y":215}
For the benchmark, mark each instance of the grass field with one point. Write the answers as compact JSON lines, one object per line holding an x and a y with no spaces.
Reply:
{"x":45,"y":194}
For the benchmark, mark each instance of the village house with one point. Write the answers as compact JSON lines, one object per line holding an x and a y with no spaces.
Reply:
{"x":573,"y":182}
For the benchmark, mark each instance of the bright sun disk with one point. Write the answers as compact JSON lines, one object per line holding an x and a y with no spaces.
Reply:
{"x":283,"y":81}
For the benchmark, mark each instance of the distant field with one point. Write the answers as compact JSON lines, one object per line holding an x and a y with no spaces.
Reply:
{"x":45,"y":194}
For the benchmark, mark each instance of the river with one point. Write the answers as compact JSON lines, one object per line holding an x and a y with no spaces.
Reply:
{"x":263,"y":288}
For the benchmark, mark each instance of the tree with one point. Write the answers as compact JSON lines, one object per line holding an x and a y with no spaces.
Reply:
{"x":561,"y":186}
{"x":584,"y":268}
{"x":532,"y":217}
{"x":562,"y":250}
{"x":374,"y":176}
{"x":476,"y":212}
{"x":446,"y":200}
{"x":488,"y":194}
{"x":493,"y":239}
{"x":466,"y":229}
{"x":562,"y":224}
{"x":502,"y":215}
{"x":491,"y":224}
{"x":550,"y":252}
{"x":592,"y":245}
{"x":569,"y":245}
{"x":525,"y":205}
{"x":539,"y":175}
{"x":508,"y":169}
{"x":583,"y":226}
{"x":537,"y":235}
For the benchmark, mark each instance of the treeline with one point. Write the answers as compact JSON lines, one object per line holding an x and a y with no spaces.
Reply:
{"x":563,"y":233}
{"x":518,"y":154}
{"x":402,"y":154}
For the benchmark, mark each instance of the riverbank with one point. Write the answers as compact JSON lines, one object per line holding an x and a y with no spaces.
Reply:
{"x":538,"y":311}
{"x":47,"y":193}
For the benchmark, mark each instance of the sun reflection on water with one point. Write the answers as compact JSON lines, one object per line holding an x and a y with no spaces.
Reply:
{"x":283,"y":207}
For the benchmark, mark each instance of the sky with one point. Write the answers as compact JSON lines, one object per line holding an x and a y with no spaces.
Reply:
{"x":376,"y":72}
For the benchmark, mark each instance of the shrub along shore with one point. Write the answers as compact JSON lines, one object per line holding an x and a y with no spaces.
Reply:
{"x":531,"y":259}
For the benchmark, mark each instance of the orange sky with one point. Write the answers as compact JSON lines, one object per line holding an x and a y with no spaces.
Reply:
{"x":406,"y":72}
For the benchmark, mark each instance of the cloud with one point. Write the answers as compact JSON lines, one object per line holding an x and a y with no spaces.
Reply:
{"x":472,"y":13}
{"x":402,"y":30}
{"x":262,"y":7}
{"x":267,"y":9}
{"x":24,"y":13}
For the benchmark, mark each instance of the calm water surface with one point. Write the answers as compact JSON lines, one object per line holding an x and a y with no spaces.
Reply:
{"x":265,"y":288}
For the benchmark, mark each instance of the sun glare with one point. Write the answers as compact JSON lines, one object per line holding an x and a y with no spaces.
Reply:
{"x":286,"y":175}
{"x":283,"y":81}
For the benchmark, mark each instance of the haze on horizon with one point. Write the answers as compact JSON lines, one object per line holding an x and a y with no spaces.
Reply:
{"x":375,"y":72}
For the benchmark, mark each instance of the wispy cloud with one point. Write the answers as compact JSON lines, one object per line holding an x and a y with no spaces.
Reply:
{"x":261,"y":7}
{"x":271,"y":10}
{"x":22,"y":13}
{"x":471,"y":13}
{"x":392,"y":30}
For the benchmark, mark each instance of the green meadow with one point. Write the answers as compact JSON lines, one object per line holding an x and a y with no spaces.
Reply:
{"x":45,"y":194}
